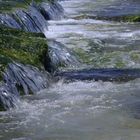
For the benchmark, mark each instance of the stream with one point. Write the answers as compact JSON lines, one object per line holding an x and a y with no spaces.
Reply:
{"x":85,"y":110}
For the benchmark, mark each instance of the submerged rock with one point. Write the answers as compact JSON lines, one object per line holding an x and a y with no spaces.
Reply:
{"x":101,"y":74}
{"x":21,"y":79}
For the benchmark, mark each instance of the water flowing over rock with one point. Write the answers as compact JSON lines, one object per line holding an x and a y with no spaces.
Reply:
{"x":30,"y":20}
{"x":101,"y":74}
{"x":35,"y":18}
{"x":9,"y":21}
{"x":52,"y":11}
{"x":21,"y":79}
{"x":8,"y":96}
{"x":61,"y":56}
{"x":28,"y":77}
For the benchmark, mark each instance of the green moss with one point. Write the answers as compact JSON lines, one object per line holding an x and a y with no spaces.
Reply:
{"x":127,"y":18}
{"x":3,"y":62}
{"x":82,"y":55}
{"x":134,"y":18}
{"x":120,"y":64}
{"x":135,"y":56}
{"x":8,"y":5}
{"x":20,"y":46}
{"x":18,"y":33}
{"x":105,"y":59}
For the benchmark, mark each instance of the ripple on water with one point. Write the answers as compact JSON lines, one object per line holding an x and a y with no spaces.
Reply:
{"x":72,"y":110}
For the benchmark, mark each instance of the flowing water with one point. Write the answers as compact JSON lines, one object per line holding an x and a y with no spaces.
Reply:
{"x":85,"y":110}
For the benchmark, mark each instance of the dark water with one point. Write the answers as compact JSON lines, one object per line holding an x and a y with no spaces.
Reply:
{"x":85,"y":110}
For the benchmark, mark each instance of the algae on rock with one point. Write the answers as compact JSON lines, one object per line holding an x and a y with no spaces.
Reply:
{"x":9,"y":5}
{"x":20,"y":46}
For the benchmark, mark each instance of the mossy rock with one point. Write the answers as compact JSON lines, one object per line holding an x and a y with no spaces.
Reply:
{"x":6,"y":6}
{"x":127,"y":18}
{"x":109,"y":58}
{"x":20,"y":46}
{"x":132,"y":18}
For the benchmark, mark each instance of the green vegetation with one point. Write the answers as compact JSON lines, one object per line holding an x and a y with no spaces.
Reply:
{"x":8,"y":5}
{"x":107,"y":59}
{"x":132,"y":18}
{"x":20,"y":46}
{"x":128,"y":18}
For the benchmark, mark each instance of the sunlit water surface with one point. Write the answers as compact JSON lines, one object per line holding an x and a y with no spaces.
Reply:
{"x":85,"y":110}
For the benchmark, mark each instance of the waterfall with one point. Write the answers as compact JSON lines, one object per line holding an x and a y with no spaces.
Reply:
{"x":30,"y":78}
{"x":21,"y":79}
{"x":8,"y":96}
{"x":34,"y":19}
{"x":52,"y":11}
{"x":29,"y":20}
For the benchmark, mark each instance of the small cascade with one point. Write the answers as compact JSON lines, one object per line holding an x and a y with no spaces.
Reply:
{"x":8,"y":96}
{"x":8,"y":20}
{"x":28,"y":77}
{"x":21,"y":79}
{"x":52,"y":11}
{"x":30,"y":20}
{"x":34,"y":19}
{"x":60,"y":56}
